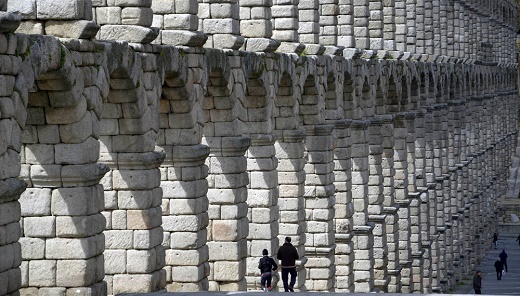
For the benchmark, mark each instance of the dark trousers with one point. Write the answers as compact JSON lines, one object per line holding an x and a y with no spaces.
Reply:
{"x":265,"y":279}
{"x":505,"y":265}
{"x":285,"y":277}
{"x":499,"y":275}
{"x":478,"y":291}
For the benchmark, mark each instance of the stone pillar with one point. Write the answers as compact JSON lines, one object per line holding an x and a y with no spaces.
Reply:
{"x":228,"y":225}
{"x":343,"y":208}
{"x":420,"y":34}
{"x":436,"y":27}
{"x":389,"y":25}
{"x":291,"y":184}
{"x":185,"y":215}
{"x":361,"y":15}
{"x":401,"y":29}
{"x":329,"y":26}
{"x":309,"y":27}
{"x":319,"y":208}
{"x":64,"y":19}
{"x":390,"y":207}
{"x":443,"y":23}
{"x":285,"y":26}
{"x":375,"y":200}
{"x":346,"y":36}
{"x":411,"y":34}
{"x":219,"y":20}
{"x":363,"y":267}
{"x":178,"y":23}
{"x":256,"y":26}
{"x":375,"y":24}
{"x":401,"y":196}
{"x":14,"y":93}
{"x":263,"y":212}
{"x":125,"y":20}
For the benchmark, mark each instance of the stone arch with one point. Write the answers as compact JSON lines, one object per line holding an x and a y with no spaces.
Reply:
{"x":380,"y":95}
{"x":367,"y":104}
{"x":393,"y":102}
{"x":423,"y":89}
{"x":60,"y":151}
{"x":333,"y":106}
{"x":310,"y":103}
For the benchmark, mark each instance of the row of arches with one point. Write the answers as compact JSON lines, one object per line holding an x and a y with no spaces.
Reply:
{"x":162,"y":167}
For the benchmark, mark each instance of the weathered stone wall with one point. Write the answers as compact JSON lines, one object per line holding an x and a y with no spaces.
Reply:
{"x":152,"y":166}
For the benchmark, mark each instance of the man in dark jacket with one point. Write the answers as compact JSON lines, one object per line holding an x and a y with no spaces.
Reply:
{"x":498,"y":268}
{"x":266,"y":266}
{"x":477,"y":282}
{"x":503,"y":259}
{"x":288,"y":255}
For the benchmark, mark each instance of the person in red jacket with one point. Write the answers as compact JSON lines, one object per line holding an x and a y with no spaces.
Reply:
{"x":288,"y":255}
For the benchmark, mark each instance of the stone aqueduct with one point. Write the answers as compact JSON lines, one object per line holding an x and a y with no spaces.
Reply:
{"x":377,"y":134}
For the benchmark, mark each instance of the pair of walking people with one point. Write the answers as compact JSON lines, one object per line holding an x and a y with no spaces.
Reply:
{"x":501,"y":264}
{"x":288,"y":255}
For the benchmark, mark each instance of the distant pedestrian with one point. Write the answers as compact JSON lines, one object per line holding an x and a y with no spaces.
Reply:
{"x":498,"y":268}
{"x":503,"y":259}
{"x":266,"y":265}
{"x":288,"y":255}
{"x":495,"y":239}
{"x":518,"y":239}
{"x":477,"y":282}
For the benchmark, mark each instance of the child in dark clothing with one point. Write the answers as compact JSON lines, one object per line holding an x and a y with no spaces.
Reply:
{"x":266,"y":266}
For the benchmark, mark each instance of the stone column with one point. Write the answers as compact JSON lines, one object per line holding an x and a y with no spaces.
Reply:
{"x":65,"y":19}
{"x":319,"y":208}
{"x":125,"y":20}
{"x":14,"y":93}
{"x":375,"y":200}
{"x":343,"y":208}
{"x":228,"y":225}
{"x":361,"y":15}
{"x":401,"y":29}
{"x":178,"y":23}
{"x":329,"y":26}
{"x":219,"y":20}
{"x":263,"y":212}
{"x":401,"y":196}
{"x":363,"y":267}
{"x":389,"y":25}
{"x":285,"y":26}
{"x":415,"y":206}
{"x":256,"y":26}
{"x":421,"y":26}
{"x":436,"y":27}
{"x":411,"y":34}
{"x":375,"y":24}
{"x":390,"y":207}
{"x":291,"y":184}
{"x":309,"y":27}
{"x":185,"y":215}
{"x":443,"y":23}
{"x":346,"y":36}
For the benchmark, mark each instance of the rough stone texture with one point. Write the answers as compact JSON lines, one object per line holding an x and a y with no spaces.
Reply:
{"x":152,"y":167}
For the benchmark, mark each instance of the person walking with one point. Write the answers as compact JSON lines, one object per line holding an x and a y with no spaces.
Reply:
{"x":518,"y":239}
{"x":503,"y":259}
{"x":498,"y":268}
{"x":288,"y":255}
{"x":477,"y":282}
{"x":495,"y":239}
{"x":266,"y":265}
